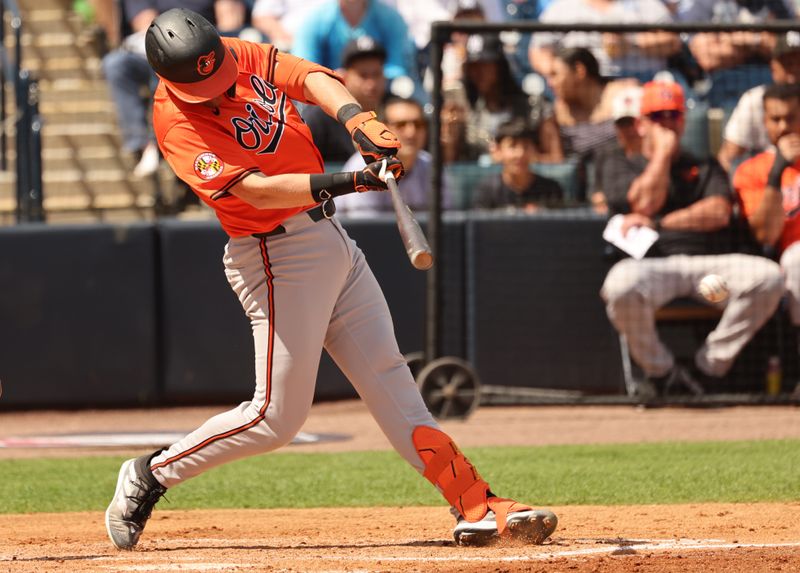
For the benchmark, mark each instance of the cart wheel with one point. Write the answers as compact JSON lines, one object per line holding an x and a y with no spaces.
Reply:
{"x":415,"y":361}
{"x":449,"y":388}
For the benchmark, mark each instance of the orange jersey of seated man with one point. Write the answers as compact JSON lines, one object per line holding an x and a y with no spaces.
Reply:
{"x":750,"y":180}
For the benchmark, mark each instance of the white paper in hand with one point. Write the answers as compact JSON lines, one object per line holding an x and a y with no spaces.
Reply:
{"x":636,"y":243}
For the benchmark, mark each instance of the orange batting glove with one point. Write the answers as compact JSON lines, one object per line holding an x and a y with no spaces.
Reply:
{"x":373,"y":139}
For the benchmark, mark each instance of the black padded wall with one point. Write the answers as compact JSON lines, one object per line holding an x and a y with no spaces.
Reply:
{"x":77,"y":315}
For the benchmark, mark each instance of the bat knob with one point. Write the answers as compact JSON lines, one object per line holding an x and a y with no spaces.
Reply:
{"x":422,"y":260}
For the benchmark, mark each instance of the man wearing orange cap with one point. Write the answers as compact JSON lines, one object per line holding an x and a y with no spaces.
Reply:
{"x":225,"y":122}
{"x":689,"y":203}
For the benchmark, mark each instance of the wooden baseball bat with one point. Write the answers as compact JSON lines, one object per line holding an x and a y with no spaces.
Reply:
{"x":419,"y":253}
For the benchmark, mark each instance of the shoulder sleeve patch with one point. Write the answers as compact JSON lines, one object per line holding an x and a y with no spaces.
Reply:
{"x":208,"y":166}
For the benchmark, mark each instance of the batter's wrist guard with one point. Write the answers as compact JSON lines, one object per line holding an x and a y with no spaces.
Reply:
{"x":373,"y":139}
{"x":347,"y":112}
{"x":328,"y":185}
{"x":778,"y":167}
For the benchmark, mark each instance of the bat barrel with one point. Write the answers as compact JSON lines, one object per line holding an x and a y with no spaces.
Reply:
{"x":417,"y":249}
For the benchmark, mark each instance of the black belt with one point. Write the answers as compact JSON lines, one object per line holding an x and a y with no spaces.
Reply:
{"x":324,"y":210}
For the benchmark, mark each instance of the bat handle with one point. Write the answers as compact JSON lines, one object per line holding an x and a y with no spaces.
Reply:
{"x":385,"y":174}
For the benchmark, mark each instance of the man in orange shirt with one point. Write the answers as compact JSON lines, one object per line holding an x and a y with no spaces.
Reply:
{"x":226,"y":124}
{"x":768,"y":186}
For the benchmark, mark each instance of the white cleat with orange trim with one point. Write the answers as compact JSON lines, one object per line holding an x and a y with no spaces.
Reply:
{"x":506,"y":519}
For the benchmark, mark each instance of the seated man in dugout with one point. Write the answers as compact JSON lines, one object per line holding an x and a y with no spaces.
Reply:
{"x":768,"y":187}
{"x":689,"y":203}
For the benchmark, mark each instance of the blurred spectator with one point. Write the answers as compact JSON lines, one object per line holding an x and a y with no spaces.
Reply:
{"x":104,"y":15}
{"x":734,"y":61}
{"x":517,"y":186}
{"x":406,"y":118}
{"x":689,"y":203}
{"x":279,"y":20}
{"x":363,"y":59}
{"x":494,"y":97}
{"x":493,"y":10}
{"x":768,"y":187}
{"x":638,"y":55}
{"x":733,"y":10}
{"x":328,"y":29}
{"x":132,"y":81}
{"x":626,"y":147}
{"x":745,"y":132}
{"x":455,"y":147}
{"x":582,"y":103}
{"x":455,"y":51}
{"x":419,"y":15}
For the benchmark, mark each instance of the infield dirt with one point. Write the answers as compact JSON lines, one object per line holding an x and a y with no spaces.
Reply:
{"x":705,"y":538}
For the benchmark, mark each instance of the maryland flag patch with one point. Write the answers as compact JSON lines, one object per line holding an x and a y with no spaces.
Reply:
{"x":207,"y":165}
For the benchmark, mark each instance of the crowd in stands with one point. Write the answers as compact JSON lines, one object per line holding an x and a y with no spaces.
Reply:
{"x":611,"y":123}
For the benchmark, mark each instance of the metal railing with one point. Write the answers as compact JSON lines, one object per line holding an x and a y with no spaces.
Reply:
{"x":27,"y":120}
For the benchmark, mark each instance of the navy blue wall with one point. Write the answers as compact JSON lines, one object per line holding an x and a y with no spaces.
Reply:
{"x":535,"y":314}
{"x":77,"y":315}
{"x":143,"y":314}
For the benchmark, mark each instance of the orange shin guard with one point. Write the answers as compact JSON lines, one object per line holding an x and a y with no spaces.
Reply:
{"x":448,"y":470}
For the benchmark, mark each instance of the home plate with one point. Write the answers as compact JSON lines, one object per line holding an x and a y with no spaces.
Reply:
{"x":133,"y":439}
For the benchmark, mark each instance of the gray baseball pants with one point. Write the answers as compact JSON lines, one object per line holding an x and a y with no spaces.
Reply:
{"x":790,"y":263}
{"x":302,"y":290}
{"x":635,"y":289}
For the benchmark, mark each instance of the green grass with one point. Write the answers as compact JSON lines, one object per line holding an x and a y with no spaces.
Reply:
{"x":554,"y":475}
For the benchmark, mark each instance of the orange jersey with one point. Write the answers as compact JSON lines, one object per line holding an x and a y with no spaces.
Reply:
{"x":750,"y":180}
{"x":258,"y":129}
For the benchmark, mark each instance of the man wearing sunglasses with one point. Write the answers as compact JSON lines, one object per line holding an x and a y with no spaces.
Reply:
{"x":689,"y":203}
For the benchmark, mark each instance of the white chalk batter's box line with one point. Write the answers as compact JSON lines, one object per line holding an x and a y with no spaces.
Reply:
{"x":153,"y":561}
{"x":609,"y":547}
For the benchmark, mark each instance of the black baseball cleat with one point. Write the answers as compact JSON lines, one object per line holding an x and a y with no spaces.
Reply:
{"x":529,"y":526}
{"x":137,"y":493}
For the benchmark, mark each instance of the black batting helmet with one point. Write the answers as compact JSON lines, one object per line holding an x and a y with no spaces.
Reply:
{"x":187,"y":53}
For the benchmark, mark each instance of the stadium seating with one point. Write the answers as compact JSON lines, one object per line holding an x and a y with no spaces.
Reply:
{"x":86,"y":176}
{"x":463,"y":178}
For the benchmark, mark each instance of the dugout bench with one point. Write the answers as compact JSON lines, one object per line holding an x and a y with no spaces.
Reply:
{"x":684,"y":324}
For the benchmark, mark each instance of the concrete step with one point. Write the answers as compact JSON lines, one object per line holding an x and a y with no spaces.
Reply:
{"x":32,"y":5}
{"x":77,"y":110}
{"x":78,"y":117}
{"x":38,"y":22}
{"x":74,"y":135}
{"x":64,"y":163}
{"x":71,"y":153}
{"x":90,"y":91}
{"x":71,"y":84}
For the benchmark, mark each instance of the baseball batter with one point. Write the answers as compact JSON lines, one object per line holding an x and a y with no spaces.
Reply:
{"x":226,"y":124}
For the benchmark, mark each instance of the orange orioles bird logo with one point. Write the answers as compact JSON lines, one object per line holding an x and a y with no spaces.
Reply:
{"x":205,"y":63}
{"x":207,"y":165}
